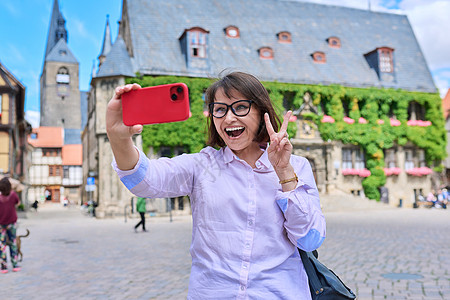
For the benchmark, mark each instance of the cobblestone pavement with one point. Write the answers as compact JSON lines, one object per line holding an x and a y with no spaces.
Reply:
{"x":72,"y":256}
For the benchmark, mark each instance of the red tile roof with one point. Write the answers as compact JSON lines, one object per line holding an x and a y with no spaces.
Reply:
{"x":47,"y":137}
{"x":72,"y":155}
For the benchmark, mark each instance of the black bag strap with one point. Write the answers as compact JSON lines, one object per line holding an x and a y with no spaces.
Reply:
{"x":310,"y":270}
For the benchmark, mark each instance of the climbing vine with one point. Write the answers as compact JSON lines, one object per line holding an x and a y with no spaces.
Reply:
{"x":371,"y":104}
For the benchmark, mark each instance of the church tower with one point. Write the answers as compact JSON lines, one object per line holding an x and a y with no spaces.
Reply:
{"x":59,"y":82}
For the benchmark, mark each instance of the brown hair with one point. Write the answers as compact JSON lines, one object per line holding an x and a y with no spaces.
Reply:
{"x":5,"y":186}
{"x":252,"y":89}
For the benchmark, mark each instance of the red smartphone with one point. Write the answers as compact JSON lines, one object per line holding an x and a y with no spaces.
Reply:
{"x":156,"y":104}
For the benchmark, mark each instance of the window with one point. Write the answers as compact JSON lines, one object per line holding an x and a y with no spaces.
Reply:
{"x":288,"y":100}
{"x":197,"y":42}
{"x":265,"y":53}
{"x":319,"y":57}
{"x":416,"y":111}
{"x":390,"y":158}
{"x":421,"y":158}
{"x":347,"y":162}
{"x":409,"y":159}
{"x":66,"y":172}
{"x":284,"y":37}
{"x":232,"y":32}
{"x":334,"y":42}
{"x":414,"y":158}
{"x":62,"y":76}
{"x":353,"y":159}
{"x":54,"y":170}
{"x":50,"y":152}
{"x":359,"y":159}
{"x":385,"y":60}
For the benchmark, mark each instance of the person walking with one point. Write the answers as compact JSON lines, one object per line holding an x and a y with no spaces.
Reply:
{"x":141,"y":209}
{"x":253,"y":202}
{"x":8,"y":219}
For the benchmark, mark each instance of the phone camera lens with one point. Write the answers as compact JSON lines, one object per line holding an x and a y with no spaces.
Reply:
{"x":174,"y":97}
{"x":179,"y":90}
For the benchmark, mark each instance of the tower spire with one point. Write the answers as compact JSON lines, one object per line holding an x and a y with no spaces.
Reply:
{"x":106,"y":42}
{"x":57,"y":29}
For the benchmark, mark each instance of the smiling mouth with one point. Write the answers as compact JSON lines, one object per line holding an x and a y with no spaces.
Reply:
{"x":234,"y":131}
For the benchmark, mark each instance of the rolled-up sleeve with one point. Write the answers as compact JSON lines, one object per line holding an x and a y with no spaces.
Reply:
{"x":305,"y":222}
{"x":158,"y":178}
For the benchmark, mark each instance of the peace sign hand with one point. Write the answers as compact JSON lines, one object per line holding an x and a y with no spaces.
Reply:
{"x":280,"y":148}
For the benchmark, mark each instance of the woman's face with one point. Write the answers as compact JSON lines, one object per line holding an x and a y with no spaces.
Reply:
{"x":237,"y":132}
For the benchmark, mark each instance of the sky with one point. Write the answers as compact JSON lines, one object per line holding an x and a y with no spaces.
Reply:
{"x":24,"y":27}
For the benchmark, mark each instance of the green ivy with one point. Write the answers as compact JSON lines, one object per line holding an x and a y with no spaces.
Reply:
{"x":372,"y":104}
{"x":334,"y":100}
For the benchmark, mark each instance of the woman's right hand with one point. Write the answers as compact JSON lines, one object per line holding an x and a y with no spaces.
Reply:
{"x":115,"y":127}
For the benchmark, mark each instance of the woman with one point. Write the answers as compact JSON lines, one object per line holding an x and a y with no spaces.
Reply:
{"x":252,"y":203}
{"x":8,"y":219}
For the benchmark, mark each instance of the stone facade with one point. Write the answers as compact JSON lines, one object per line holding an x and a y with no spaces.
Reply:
{"x":60,"y":102}
{"x":110,"y":194}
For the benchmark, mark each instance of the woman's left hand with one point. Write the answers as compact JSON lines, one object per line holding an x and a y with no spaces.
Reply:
{"x":280,"y":149}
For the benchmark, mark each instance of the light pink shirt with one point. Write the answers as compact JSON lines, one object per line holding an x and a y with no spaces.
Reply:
{"x":245,"y":229}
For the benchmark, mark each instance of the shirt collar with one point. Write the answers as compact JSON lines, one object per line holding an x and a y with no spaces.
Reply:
{"x":262,"y":163}
{"x":228,"y":155}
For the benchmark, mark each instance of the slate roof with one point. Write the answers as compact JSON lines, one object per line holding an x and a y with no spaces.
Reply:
{"x":61,"y":53}
{"x":72,"y":136}
{"x":106,"y":47}
{"x":156,"y":26}
{"x":54,"y":28}
{"x":117,"y":61}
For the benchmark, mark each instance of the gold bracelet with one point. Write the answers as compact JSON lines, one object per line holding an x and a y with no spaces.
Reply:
{"x":295,"y":178}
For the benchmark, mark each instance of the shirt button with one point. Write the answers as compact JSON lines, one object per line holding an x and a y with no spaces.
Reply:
{"x":242,"y":287}
{"x":247,"y":245}
{"x":250,"y":222}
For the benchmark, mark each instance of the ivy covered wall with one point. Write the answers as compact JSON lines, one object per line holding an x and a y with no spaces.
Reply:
{"x":372,"y":105}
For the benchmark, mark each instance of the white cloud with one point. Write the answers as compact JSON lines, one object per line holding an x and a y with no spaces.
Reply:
{"x":442,"y":79}
{"x":430,"y":23}
{"x":33,"y":118}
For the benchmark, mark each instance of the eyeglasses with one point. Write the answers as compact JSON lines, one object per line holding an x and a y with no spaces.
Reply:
{"x":240,"y":108}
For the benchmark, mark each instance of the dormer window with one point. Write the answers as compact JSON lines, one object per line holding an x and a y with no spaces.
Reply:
{"x":319,"y":57}
{"x":194,"y":44}
{"x":284,"y":37}
{"x":385,"y":59}
{"x":196,"y":39}
{"x":232,"y":32}
{"x":334,"y":42}
{"x":198,"y":44}
{"x":381,"y":60}
{"x":265,"y":53}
